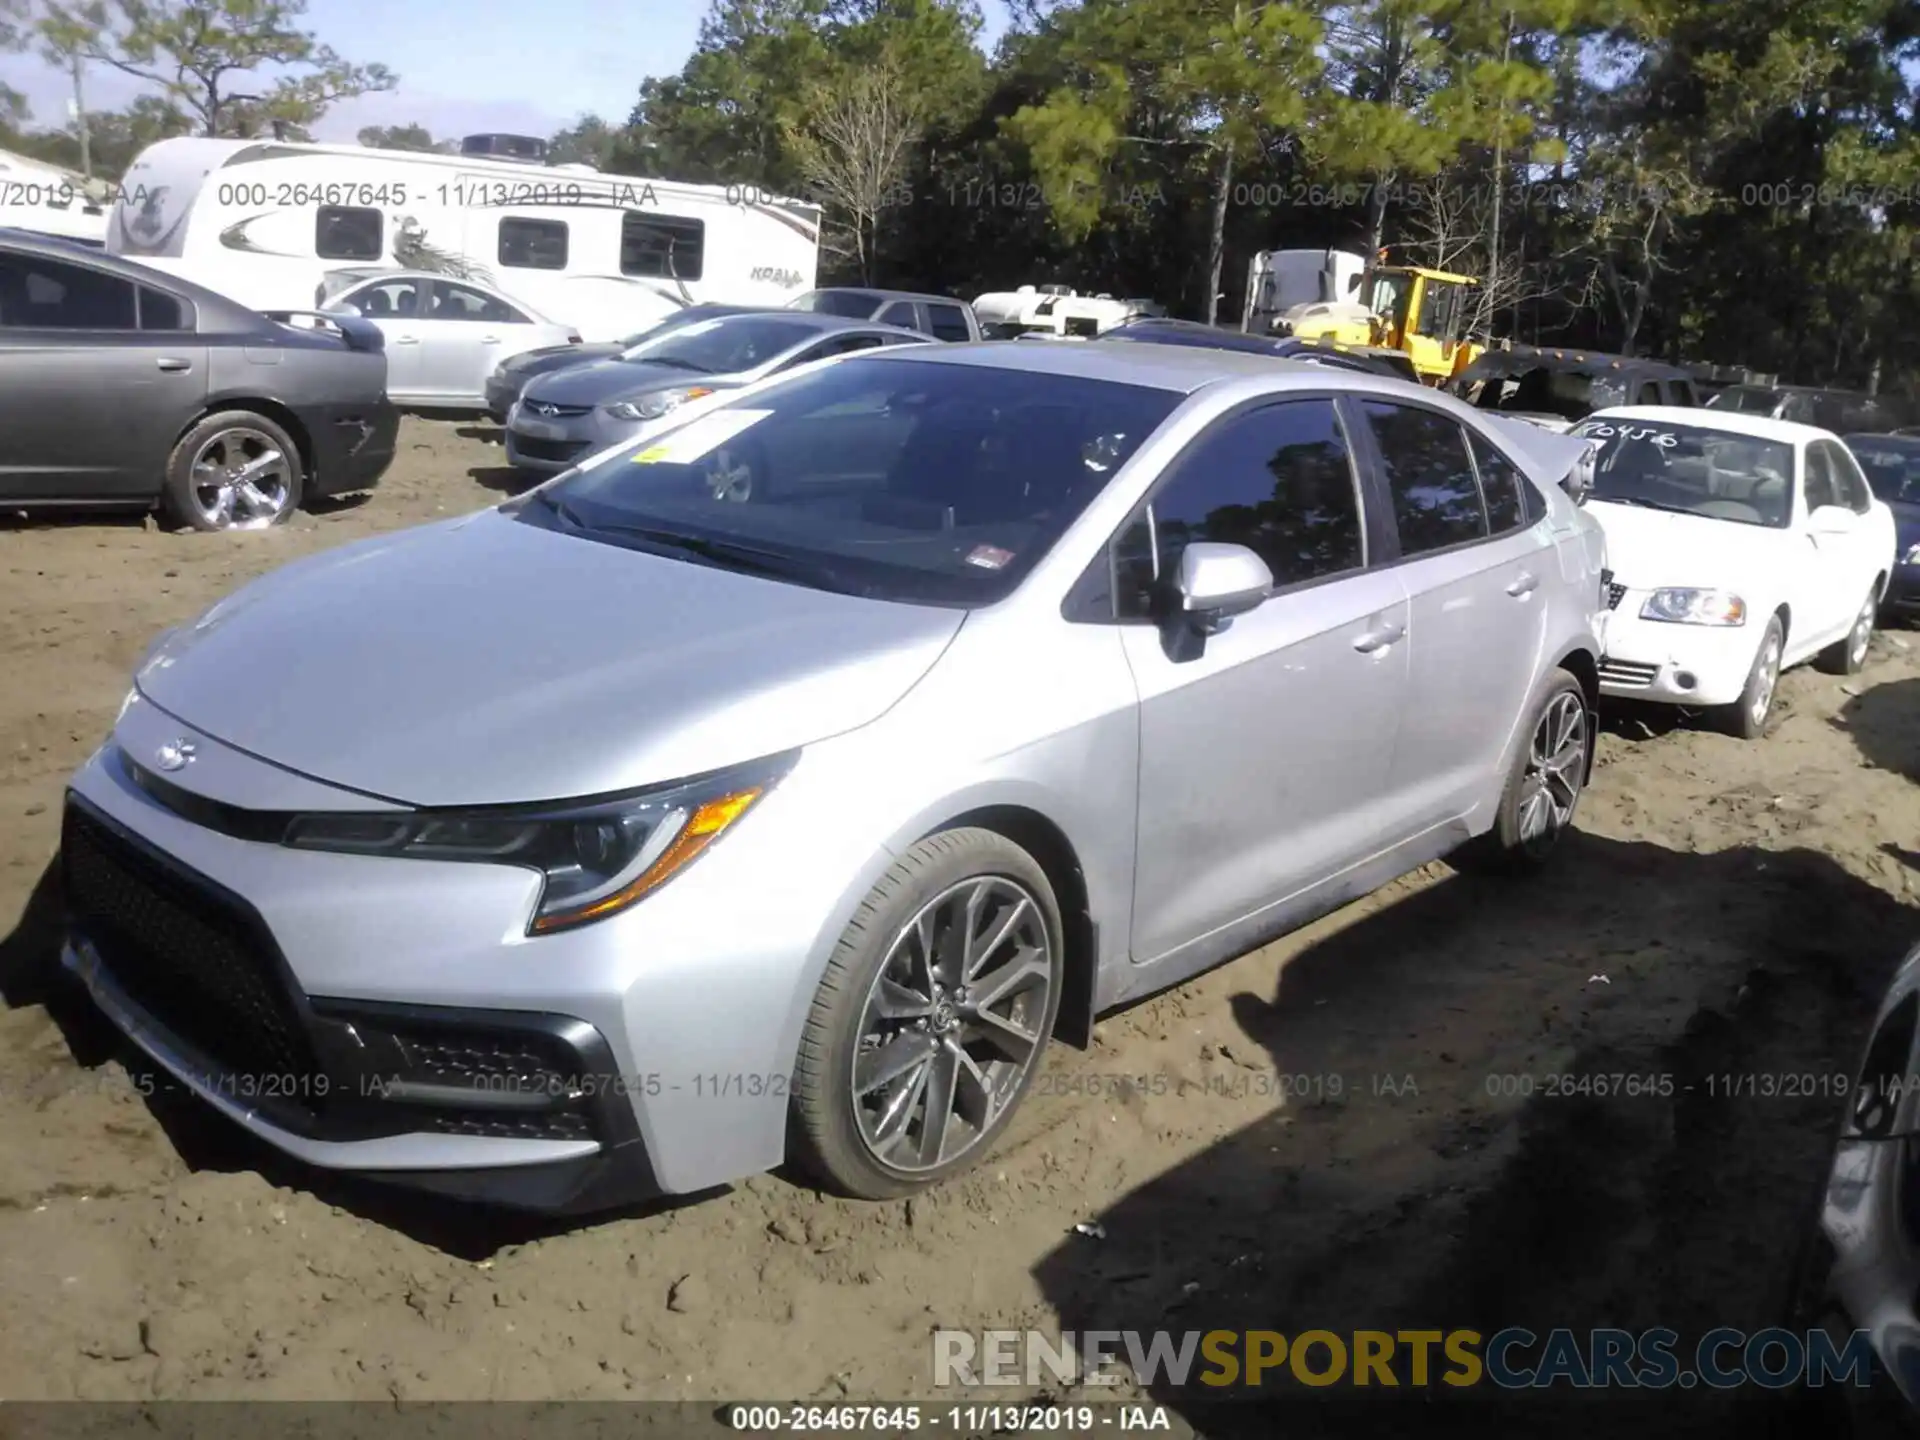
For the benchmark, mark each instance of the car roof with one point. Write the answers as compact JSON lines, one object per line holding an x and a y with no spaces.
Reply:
{"x":1181,"y":369}
{"x":878,"y":295}
{"x":1728,"y":422}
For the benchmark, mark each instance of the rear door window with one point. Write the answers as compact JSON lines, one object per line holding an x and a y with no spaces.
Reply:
{"x":949,"y":322}
{"x":1430,"y":474}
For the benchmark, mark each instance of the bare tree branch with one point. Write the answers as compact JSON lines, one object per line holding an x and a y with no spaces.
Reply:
{"x":852,"y":139}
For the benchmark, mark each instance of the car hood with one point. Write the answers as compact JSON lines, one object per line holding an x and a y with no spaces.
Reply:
{"x":607,"y":380}
{"x":555,"y":357}
{"x":1653,"y":548}
{"x":486,"y":660}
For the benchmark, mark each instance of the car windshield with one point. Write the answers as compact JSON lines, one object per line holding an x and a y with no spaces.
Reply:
{"x":850,"y":304}
{"x":925,"y":483}
{"x":1892,"y":466}
{"x":723,"y":346}
{"x":1693,"y":470}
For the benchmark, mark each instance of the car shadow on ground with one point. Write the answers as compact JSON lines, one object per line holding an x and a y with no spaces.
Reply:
{"x":30,"y":974}
{"x":1455,"y":1182}
{"x":485,"y":431}
{"x":1885,"y":724}
{"x":504,"y":478}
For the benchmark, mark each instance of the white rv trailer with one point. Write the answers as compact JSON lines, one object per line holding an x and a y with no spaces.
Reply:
{"x":47,"y":200}
{"x":264,"y":221}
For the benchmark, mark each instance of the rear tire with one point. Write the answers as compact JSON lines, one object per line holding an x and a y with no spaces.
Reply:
{"x":1747,"y":717}
{"x":1848,"y":655}
{"x":1544,"y":784}
{"x":932,"y":1018}
{"x":234,"y":470}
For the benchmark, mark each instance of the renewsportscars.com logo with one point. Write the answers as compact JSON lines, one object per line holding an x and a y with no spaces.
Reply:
{"x":1512,"y":1359}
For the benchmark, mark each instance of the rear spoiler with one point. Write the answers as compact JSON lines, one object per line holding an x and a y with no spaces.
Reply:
{"x":358,"y":333}
{"x":1564,"y":460}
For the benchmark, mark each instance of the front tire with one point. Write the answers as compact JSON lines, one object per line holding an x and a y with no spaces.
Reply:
{"x":932,"y":1018}
{"x":1543,"y":786}
{"x":1848,"y":655}
{"x":235,"y":470}
{"x":1747,"y":717}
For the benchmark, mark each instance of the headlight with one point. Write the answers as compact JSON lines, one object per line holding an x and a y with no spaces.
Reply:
{"x":652,"y":407}
{"x":1695,"y":607}
{"x":596,"y":858}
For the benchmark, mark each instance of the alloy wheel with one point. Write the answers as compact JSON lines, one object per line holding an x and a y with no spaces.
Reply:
{"x":731,"y":477}
{"x":952,"y":1023}
{"x":1862,"y":635}
{"x":1556,"y":765}
{"x":241,"y":480}
{"x":1766,"y":680}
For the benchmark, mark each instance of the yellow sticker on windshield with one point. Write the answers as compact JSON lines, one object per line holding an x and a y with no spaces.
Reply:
{"x":695,"y":439}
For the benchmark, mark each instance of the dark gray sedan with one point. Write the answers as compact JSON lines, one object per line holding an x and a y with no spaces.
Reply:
{"x":513,"y":374}
{"x":566,"y":415}
{"x":120,"y":385}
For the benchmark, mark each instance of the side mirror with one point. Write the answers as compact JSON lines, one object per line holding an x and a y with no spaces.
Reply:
{"x":1217,"y":582}
{"x":1579,"y":480}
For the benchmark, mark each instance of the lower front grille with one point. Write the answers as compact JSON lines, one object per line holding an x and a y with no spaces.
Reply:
{"x":191,"y":959}
{"x":1627,"y":672}
{"x":556,"y":450}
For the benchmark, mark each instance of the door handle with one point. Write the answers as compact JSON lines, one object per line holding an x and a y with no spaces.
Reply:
{"x":1525,"y":585}
{"x":173,"y":365}
{"x":489,"y":339}
{"x":1378,"y":639}
{"x":406,"y":340}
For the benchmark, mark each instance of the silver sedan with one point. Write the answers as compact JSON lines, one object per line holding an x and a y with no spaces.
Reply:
{"x":568,"y":414}
{"x":784,"y":784}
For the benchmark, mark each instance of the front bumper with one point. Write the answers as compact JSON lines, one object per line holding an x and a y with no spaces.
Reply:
{"x":501,"y":394}
{"x":1693,"y":665}
{"x":291,"y":949}
{"x":352,"y":446}
{"x":503,"y":1107}
{"x":550,"y":445}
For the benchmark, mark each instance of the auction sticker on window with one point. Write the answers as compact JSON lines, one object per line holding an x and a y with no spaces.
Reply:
{"x":989,"y":557}
{"x":699,"y":437}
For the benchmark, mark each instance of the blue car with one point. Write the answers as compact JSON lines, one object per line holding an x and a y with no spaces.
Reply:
{"x":1892,"y":466}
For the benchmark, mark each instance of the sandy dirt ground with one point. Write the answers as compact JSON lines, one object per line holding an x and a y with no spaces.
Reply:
{"x":1724,"y":910}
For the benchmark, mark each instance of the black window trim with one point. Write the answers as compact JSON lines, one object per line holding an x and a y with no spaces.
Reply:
{"x":1082,"y":603}
{"x":500,"y":241}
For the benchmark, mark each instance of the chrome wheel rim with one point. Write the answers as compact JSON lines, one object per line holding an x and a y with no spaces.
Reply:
{"x":240,"y":480}
{"x":1768,"y":676}
{"x":1556,"y":758}
{"x":952,"y":1024}
{"x":1862,"y":635}
{"x":731,"y":477}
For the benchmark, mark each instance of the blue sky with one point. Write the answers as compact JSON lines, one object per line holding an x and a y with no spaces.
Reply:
{"x":464,"y":68}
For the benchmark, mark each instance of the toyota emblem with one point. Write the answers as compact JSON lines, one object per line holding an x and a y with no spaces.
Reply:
{"x":174,"y":756}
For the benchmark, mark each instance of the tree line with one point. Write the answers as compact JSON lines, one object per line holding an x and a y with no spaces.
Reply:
{"x":1731,"y":181}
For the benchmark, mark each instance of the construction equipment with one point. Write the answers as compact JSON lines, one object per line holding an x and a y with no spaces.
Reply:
{"x":1408,"y":310}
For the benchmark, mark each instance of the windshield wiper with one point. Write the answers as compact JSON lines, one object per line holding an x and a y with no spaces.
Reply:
{"x":746,"y":559}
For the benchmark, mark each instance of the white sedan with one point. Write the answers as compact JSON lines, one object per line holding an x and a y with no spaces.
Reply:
{"x":444,"y":337}
{"x":1740,"y":546}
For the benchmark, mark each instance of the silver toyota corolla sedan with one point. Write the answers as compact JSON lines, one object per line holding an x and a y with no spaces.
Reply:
{"x":782,"y":784}
{"x":568,"y":414}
